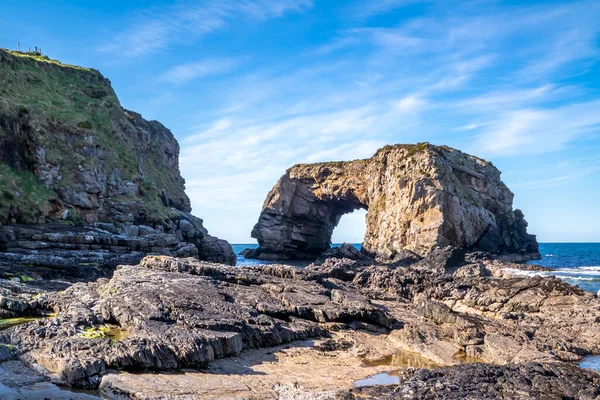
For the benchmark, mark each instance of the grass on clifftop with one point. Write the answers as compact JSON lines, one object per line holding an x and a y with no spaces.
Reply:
{"x":40,"y":89}
{"x":75,"y":116}
{"x":411,"y":148}
{"x":44,"y":58}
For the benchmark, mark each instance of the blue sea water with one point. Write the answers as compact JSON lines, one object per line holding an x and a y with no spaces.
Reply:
{"x":576,"y":263}
{"x":244,"y":262}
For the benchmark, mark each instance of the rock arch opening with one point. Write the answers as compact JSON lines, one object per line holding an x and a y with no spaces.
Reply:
{"x":302,"y":216}
{"x":351,"y":228}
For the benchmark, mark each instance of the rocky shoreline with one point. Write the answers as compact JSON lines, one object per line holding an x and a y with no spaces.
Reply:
{"x":176,"y":314}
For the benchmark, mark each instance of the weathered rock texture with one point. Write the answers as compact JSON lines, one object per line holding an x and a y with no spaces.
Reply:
{"x":69,"y":152}
{"x":179,"y":313}
{"x":487,"y":382}
{"x":417,"y":197}
{"x":184,"y":313}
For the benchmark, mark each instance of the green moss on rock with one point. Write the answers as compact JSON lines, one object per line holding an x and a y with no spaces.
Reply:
{"x":24,"y":198}
{"x":69,"y":118}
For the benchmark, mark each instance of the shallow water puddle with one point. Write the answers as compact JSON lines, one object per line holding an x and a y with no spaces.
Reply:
{"x":590,"y":362}
{"x":385,"y":378}
{"x":116,"y":333}
{"x":402,"y":359}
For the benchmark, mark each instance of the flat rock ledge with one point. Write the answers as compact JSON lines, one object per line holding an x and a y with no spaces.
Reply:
{"x":173,"y":313}
{"x":61,"y":250}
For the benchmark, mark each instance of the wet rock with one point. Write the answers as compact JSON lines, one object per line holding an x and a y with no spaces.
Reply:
{"x":18,"y":381}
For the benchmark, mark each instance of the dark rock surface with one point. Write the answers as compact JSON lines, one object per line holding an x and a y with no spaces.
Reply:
{"x":171,"y":313}
{"x":484,"y":381}
{"x":417,"y":197}
{"x":497,"y":320}
{"x":19,"y":382}
{"x":182,"y":313}
{"x":346,"y":251}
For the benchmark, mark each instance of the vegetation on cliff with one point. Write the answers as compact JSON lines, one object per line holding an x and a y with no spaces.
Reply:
{"x":64,"y":125}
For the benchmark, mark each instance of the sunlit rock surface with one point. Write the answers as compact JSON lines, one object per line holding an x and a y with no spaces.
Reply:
{"x":417,"y":197}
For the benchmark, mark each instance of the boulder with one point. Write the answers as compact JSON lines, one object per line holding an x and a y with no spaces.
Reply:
{"x":447,"y":259}
{"x":346,"y":251}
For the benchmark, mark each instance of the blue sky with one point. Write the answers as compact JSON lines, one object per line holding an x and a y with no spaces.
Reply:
{"x":251,"y":87}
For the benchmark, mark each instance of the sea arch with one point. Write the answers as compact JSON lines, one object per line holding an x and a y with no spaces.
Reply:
{"x":417,"y":197}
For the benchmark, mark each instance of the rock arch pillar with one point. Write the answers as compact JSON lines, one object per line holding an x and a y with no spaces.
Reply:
{"x":298,"y":219}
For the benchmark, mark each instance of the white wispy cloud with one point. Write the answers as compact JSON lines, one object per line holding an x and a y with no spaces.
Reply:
{"x":533,"y":131}
{"x":187,"y":72}
{"x":156,"y":29}
{"x":475,"y":78}
{"x":374,"y":7}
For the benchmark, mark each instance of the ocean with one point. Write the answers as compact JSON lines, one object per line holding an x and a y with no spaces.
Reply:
{"x":575,"y":263}
{"x":245,"y":262}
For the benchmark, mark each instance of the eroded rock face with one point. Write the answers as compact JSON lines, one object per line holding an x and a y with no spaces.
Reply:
{"x":181,"y":313}
{"x":417,"y":197}
{"x":69,"y":152}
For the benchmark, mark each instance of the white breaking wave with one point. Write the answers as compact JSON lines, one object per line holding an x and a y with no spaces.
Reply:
{"x":578,"y":278}
{"x":520,"y":272}
{"x":589,"y":273}
{"x":592,"y":268}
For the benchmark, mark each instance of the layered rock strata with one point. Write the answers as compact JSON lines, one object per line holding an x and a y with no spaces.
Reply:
{"x":70,"y":153}
{"x":417,"y":197}
{"x":178,"y":314}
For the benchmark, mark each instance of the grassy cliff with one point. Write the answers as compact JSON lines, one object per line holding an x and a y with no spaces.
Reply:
{"x":66,"y":144}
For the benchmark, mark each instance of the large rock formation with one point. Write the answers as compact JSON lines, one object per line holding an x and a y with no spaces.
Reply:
{"x":69,"y":152}
{"x":417,"y":197}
